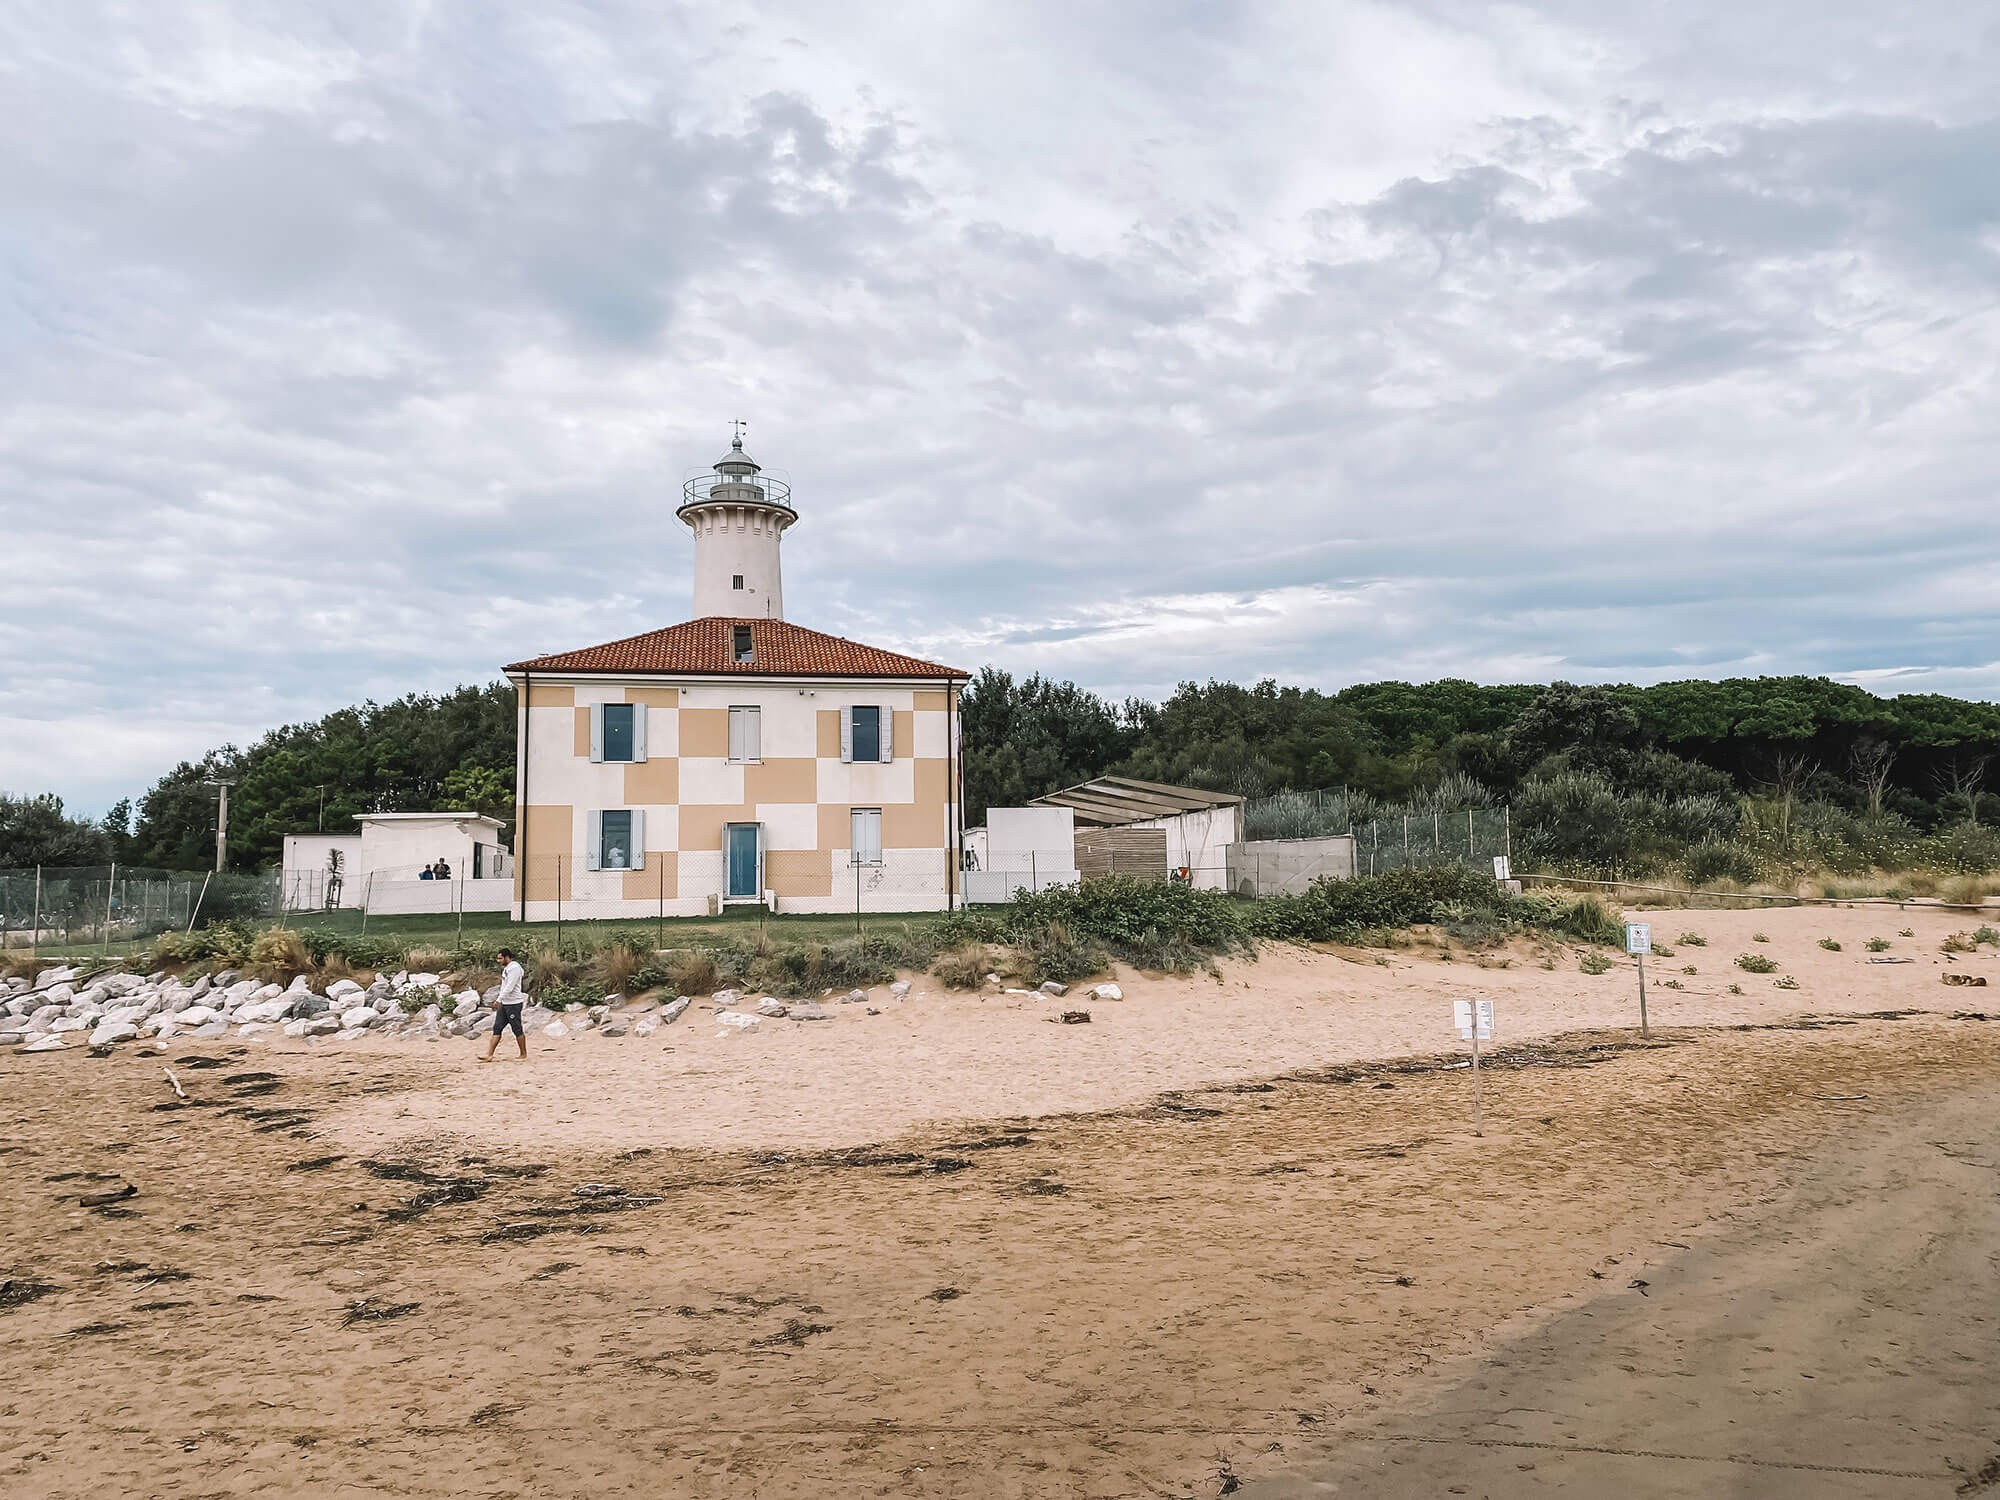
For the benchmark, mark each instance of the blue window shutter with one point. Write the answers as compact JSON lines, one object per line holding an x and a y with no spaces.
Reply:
{"x":596,"y":735}
{"x":594,"y":834}
{"x":846,"y":733}
{"x":638,"y":731}
{"x":638,"y":861}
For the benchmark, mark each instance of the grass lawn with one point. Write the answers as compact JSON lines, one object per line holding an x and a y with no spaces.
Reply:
{"x":442,"y":930}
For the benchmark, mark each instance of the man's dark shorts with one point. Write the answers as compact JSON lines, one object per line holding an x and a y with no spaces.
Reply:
{"x":508,"y":1015}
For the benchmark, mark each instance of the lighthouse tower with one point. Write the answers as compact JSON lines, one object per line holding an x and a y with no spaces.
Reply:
{"x":738,"y":518}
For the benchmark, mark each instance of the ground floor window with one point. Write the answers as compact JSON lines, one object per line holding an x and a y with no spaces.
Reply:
{"x":617,"y":839}
{"x":865,"y":838}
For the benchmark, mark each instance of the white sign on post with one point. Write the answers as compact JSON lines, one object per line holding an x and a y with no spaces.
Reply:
{"x":1463,"y":1013}
{"x":1638,"y":937}
{"x":1502,"y":869}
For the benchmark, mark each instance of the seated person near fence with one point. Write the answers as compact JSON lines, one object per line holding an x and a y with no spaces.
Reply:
{"x":443,"y":869}
{"x":426,"y":873}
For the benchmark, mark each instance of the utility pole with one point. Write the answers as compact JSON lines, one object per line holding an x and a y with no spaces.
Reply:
{"x":322,"y":809}
{"x":221,"y":824}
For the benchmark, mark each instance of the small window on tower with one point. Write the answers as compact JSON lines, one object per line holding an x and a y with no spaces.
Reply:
{"x":736,"y":580}
{"x":741,"y":634}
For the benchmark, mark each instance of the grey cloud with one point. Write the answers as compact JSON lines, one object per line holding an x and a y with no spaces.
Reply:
{"x":352,"y":354}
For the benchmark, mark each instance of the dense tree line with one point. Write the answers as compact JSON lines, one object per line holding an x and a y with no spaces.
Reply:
{"x":420,"y":753}
{"x":1920,"y":756}
{"x":1601,"y":771}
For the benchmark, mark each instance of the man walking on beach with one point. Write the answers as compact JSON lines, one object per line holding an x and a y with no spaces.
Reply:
{"x":508,"y":1004}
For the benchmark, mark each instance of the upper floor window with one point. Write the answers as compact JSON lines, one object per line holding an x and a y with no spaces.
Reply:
{"x":746,"y":734}
{"x":618,"y":739}
{"x":740,"y":640}
{"x":736,"y":580}
{"x":867,"y":732}
{"x":618,"y":732}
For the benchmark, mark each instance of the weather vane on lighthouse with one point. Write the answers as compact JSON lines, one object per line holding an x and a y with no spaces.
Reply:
{"x":741,"y":427}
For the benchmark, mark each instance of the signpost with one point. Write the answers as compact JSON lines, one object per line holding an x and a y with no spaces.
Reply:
{"x":1638,"y":943}
{"x":1502,"y":869}
{"x":1474,"y":1020}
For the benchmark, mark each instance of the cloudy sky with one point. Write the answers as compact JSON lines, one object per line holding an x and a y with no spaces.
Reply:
{"x":353,"y":350}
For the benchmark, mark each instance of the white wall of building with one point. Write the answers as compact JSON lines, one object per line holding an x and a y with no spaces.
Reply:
{"x":304,"y":872}
{"x":1200,"y":842}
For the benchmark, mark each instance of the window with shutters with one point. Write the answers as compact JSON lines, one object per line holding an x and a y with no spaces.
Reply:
{"x":746,"y":734}
{"x":865,"y":836}
{"x":615,"y":839}
{"x":618,"y":736}
{"x":867,"y":732}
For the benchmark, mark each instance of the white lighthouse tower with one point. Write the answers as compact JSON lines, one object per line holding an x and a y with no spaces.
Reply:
{"x":738,"y":518}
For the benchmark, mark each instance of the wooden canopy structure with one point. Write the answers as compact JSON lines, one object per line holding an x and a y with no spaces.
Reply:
{"x":1115,"y":801}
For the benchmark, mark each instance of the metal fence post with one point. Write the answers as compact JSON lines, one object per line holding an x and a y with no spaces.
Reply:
{"x":367,"y":900}
{"x":661,"y":863}
{"x":1470,"y":852}
{"x":1507,"y":827}
{"x":559,"y":904}
{"x":459,"y":893}
{"x":857,"y":892}
{"x":35,"y":933}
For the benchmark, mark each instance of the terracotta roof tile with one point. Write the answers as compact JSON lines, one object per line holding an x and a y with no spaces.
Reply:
{"x":707,"y":647}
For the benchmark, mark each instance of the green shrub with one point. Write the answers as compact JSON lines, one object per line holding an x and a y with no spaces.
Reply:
{"x":1585,"y":918}
{"x":1054,"y":952}
{"x":1122,"y":908}
{"x":1693,"y":940}
{"x":1787,"y":983}
{"x":568,"y":994}
{"x":1719,"y":859}
{"x":1877,"y":945}
{"x":1594,"y":963}
{"x":1986,"y":935}
{"x":418,"y":996}
{"x":1755,"y":963}
{"x":1830,"y":944}
{"x":797,"y":970}
{"x":1958,"y":942}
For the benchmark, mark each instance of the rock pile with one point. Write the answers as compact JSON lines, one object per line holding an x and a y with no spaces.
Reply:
{"x":67,"y":1007}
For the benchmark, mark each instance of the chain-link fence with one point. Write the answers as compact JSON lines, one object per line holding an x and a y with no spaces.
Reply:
{"x":566,"y":887}
{"x":1406,"y":841}
{"x":116,"y":909}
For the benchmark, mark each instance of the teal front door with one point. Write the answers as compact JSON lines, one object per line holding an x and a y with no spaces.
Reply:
{"x":742,"y":849}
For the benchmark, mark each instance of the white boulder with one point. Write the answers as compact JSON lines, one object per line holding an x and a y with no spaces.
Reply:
{"x":360,"y":1017}
{"x":114,"y":1031}
{"x":340,"y":989}
{"x":1108,"y":992}
{"x":672,"y":1013}
{"x":45,"y":1044}
{"x":736,"y":1018}
{"x":555,"y":1029}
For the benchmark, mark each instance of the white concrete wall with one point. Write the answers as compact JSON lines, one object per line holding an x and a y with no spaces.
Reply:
{"x":398,"y":849}
{"x":390,"y":898}
{"x":304,"y":874}
{"x":1273,"y":867}
{"x":1201,"y":841}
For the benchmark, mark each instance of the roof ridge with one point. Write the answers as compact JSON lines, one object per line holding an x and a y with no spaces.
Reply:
{"x":700,"y":648}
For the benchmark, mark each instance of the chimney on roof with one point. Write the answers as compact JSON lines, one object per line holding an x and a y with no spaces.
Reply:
{"x":738,"y":516}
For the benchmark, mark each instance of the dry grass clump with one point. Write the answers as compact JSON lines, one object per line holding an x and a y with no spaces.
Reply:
{"x":963,"y":968}
{"x":692,"y":972}
{"x":546,"y":968}
{"x":277,"y":955}
{"x":427,"y":961}
{"x":1966,"y":890}
{"x":1958,"y":942}
{"x":1755,"y":963}
{"x":616,"y":962}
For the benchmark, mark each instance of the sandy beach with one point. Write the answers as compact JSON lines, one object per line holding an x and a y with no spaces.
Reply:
{"x":1214,"y":1240}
